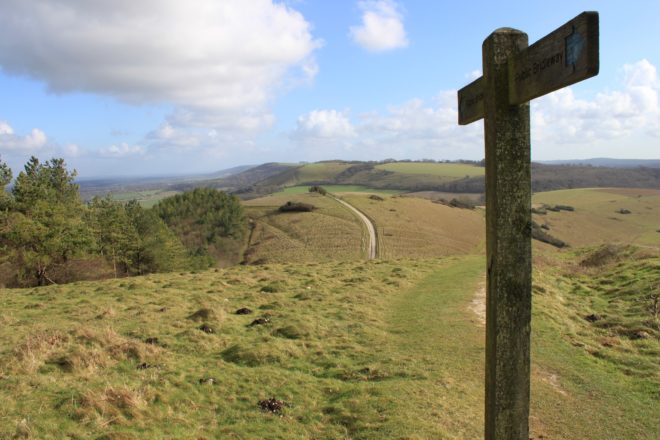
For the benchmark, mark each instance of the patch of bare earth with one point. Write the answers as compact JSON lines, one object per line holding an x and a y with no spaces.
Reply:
{"x":478,"y":303}
{"x":549,"y":378}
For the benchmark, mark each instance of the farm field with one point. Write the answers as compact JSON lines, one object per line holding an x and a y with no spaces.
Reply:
{"x":331,"y":232}
{"x":448,"y":170}
{"x":146,"y":199}
{"x":413,"y":227}
{"x":339,"y":189}
{"x":168,"y":356}
{"x":477,"y":198}
{"x":320,"y":171}
{"x":597,"y":218}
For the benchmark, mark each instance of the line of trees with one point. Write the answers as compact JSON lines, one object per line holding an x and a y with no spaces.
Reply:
{"x":47,"y":232}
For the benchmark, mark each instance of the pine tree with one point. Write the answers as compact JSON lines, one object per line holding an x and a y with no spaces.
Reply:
{"x":115,"y":236}
{"x":157,"y":248}
{"x":45,"y":226}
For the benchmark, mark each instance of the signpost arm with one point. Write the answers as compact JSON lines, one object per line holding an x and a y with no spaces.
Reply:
{"x":508,"y":244}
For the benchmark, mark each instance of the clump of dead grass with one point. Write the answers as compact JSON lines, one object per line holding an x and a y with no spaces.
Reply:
{"x":83,"y":349}
{"x":207,"y":314}
{"x":603,"y":255}
{"x":30,"y":355}
{"x":113,"y":405}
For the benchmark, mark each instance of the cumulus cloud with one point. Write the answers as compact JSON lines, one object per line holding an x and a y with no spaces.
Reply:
{"x":562,"y":118}
{"x":324,"y":124}
{"x":563,"y":125}
{"x":10,"y":141}
{"x":382,"y":26}
{"x":415,"y":128}
{"x":218,"y":63}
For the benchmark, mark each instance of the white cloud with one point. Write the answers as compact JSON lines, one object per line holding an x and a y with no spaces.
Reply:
{"x":324,"y":124}
{"x":382,"y":26}
{"x":412,"y":129}
{"x":561,"y":118}
{"x":216,"y":62}
{"x":10,"y":141}
{"x":72,"y":150}
{"x":5,"y":129}
{"x":122,"y":150}
{"x":563,"y":126}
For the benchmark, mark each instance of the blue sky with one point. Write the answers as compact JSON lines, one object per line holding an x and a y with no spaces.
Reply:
{"x":168,"y":87}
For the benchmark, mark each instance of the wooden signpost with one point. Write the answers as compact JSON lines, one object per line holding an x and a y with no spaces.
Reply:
{"x":515,"y":73}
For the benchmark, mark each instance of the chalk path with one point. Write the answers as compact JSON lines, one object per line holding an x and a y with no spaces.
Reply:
{"x":371,"y":229}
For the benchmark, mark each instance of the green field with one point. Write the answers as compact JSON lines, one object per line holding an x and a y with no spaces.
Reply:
{"x":453,"y":170}
{"x":340,"y":189}
{"x":330,"y":232}
{"x":320,"y":171}
{"x":146,"y":198}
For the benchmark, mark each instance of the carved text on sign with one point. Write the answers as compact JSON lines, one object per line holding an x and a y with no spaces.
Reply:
{"x":539,"y":67}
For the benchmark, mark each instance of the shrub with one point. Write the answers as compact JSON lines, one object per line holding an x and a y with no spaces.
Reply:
{"x":318,"y":189}
{"x":296,"y":207}
{"x":539,"y":234}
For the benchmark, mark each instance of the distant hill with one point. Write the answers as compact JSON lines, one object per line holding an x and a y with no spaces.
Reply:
{"x":407,"y":176}
{"x":607,"y":162}
{"x":90,"y":187}
{"x":243,"y":181}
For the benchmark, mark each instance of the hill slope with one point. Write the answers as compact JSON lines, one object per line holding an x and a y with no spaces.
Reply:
{"x":167,"y":355}
{"x":597,"y":217}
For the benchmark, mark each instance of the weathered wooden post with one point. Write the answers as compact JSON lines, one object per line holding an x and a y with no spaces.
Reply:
{"x":513,"y":75}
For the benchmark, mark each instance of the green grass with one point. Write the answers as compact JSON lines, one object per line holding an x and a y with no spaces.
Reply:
{"x":339,"y":189}
{"x":596,"y":371}
{"x":359,"y":350}
{"x":453,"y":170}
{"x":316,"y":172}
{"x":330,"y":232}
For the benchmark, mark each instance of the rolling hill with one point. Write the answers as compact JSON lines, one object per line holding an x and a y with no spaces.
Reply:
{"x":288,"y":352}
{"x":306,"y":339}
{"x":461,"y":177}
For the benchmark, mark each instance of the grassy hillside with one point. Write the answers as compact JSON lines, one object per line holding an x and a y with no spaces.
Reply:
{"x":597,"y":218}
{"x":168,"y":356}
{"x":415,"y":227}
{"x":333,"y":233}
{"x":257,"y":181}
{"x":339,"y":189}
{"x":449,"y":170}
{"x":320,"y":171}
{"x":330,"y":232}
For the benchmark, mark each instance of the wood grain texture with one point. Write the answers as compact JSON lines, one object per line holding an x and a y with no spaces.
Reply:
{"x":471,"y":102}
{"x":565,"y":56}
{"x":508,"y":245}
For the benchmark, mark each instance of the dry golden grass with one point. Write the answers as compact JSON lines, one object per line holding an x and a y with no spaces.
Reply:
{"x":82,"y":349}
{"x":330,"y":232}
{"x":113,"y":405}
{"x":596,"y":220}
{"x":412,"y":227}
